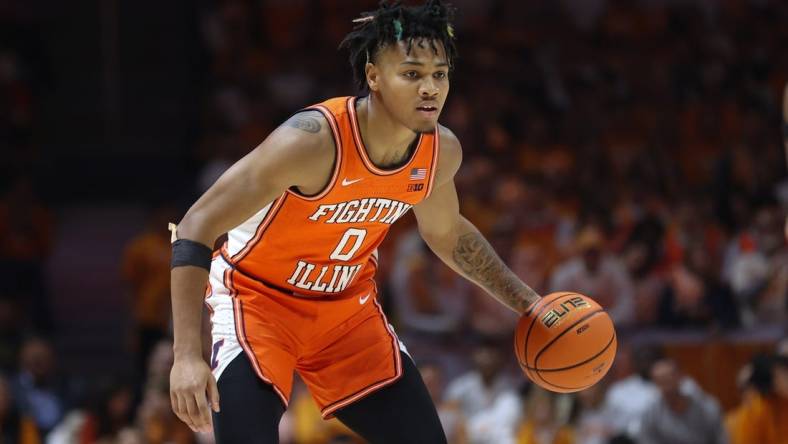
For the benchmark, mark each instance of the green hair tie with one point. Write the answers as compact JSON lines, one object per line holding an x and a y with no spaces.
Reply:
{"x":398,"y":30}
{"x":450,"y":30}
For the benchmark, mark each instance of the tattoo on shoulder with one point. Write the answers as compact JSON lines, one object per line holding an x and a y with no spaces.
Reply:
{"x":304,"y":122}
{"x":478,"y":260}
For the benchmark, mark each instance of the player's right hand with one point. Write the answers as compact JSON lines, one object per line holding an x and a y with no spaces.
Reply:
{"x":192,"y":386}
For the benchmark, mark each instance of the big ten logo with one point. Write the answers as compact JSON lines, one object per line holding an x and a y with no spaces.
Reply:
{"x":554,"y":316}
{"x":415,"y":186}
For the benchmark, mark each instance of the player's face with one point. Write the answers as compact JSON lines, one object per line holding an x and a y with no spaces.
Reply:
{"x":413,"y":87}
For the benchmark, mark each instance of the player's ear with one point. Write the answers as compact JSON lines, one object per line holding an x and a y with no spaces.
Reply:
{"x":373,"y":74}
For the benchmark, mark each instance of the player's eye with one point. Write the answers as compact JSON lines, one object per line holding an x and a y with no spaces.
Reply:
{"x":440,"y":75}
{"x":411,"y":74}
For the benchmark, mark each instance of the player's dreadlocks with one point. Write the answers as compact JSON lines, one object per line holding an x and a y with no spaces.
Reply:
{"x":393,"y":22}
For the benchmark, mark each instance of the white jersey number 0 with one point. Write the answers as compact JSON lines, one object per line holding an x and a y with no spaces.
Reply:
{"x":355,"y":233}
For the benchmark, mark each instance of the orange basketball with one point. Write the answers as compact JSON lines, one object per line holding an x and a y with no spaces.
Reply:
{"x":565,"y":342}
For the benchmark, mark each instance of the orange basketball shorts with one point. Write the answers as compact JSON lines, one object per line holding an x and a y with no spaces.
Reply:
{"x":343,"y":348}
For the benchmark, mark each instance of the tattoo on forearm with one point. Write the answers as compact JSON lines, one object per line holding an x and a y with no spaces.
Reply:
{"x":478,"y":260}
{"x":303,"y":122}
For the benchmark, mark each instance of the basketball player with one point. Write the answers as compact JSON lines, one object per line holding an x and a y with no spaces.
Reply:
{"x":293,"y":287}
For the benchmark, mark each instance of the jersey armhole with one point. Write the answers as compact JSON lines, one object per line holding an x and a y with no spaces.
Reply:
{"x":436,"y":148}
{"x":332,"y":122}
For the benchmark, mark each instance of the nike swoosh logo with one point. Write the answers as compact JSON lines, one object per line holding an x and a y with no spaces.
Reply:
{"x":346,"y":182}
{"x":363,"y":300}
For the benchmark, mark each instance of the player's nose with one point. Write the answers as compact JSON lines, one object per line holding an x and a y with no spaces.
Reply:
{"x":428,"y":88}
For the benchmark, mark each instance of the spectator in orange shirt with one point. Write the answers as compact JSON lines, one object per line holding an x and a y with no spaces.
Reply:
{"x":762,"y":416}
{"x":146,"y":268}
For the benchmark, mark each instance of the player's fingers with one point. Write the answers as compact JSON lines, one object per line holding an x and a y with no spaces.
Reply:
{"x":183,"y":407}
{"x":183,"y":414}
{"x":174,"y":404}
{"x":213,"y":393}
{"x":194,"y":411}
{"x":204,"y":424}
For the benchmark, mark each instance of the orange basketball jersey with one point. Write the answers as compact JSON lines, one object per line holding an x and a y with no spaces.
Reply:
{"x":326,"y":244}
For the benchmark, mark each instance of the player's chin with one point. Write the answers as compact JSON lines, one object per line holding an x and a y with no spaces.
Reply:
{"x":424,"y":129}
{"x":425,"y":125}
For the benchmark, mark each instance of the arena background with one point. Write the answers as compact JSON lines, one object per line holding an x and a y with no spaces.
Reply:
{"x":645,"y":132}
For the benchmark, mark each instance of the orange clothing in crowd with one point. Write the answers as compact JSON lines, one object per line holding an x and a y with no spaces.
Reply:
{"x":311,"y":428}
{"x":146,"y":265}
{"x":760,"y":419}
{"x":28,"y":432}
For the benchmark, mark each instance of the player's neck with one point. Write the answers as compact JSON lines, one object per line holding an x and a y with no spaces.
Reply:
{"x":386,"y":140}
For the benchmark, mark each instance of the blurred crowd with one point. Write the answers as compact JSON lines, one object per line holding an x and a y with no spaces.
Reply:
{"x":627,"y":150}
{"x":647,"y":399}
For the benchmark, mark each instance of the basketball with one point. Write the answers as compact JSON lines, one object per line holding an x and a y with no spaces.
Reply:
{"x":565,"y":342}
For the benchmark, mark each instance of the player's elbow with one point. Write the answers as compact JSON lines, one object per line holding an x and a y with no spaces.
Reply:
{"x":195,"y":226}
{"x":439,"y":237}
{"x":432,"y":236}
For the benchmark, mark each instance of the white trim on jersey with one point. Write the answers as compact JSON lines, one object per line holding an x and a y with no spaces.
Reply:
{"x":239,"y":237}
{"x":220,"y":304}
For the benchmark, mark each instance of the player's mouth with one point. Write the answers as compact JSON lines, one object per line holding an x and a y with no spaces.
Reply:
{"x":428,"y":110}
